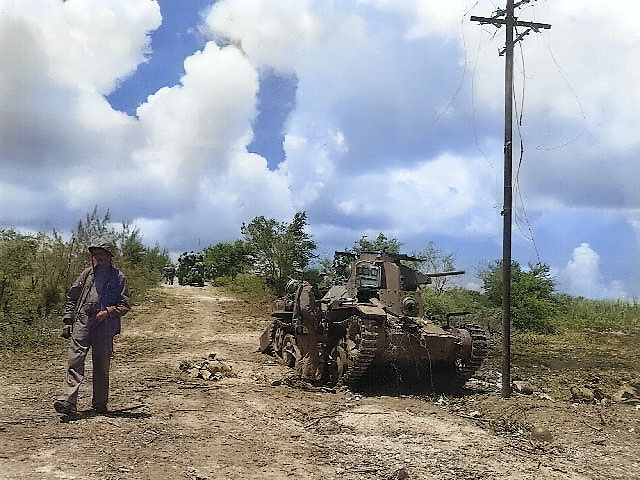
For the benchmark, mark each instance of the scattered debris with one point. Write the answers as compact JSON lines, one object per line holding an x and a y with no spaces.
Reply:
{"x":523,"y":387}
{"x":627,"y":393}
{"x":208,"y":369}
{"x":541,"y":434}
{"x":544,"y":396}
{"x":297,"y":382}
{"x":586,"y":395}
{"x":401,"y":474}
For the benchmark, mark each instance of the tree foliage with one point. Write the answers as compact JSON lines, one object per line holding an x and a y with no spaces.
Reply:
{"x":278,"y":250}
{"x":225,"y":259}
{"x":36,"y":271}
{"x":534,"y":304}
{"x":381,"y":244}
{"x":434,"y":260}
{"x":142,"y":265}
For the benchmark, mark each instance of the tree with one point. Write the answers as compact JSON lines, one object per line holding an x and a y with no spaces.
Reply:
{"x":94,"y":228}
{"x":277,"y":250}
{"x":18,"y":279}
{"x":131,"y":247}
{"x":534,"y":305}
{"x":381,"y":244}
{"x":225,"y":259}
{"x":433,"y":259}
{"x":142,"y":265}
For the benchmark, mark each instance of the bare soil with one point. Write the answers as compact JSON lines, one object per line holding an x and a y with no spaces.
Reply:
{"x":258,"y":424}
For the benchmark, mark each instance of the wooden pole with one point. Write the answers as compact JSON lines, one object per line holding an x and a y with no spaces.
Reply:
{"x":510,"y":22}
{"x":507,"y":204}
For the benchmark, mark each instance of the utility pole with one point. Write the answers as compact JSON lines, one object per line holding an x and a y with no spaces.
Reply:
{"x":506,"y":17}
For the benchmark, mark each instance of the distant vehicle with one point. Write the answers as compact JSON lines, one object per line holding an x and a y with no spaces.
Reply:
{"x":191,"y":269}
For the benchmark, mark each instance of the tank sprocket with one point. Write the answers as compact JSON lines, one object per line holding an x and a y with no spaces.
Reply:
{"x":465,"y":368}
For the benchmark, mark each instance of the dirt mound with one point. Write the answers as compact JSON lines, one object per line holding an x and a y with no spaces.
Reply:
{"x":169,"y":423}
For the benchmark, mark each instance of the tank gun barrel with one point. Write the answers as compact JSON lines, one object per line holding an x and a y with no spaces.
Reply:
{"x":344,"y":254}
{"x":444,"y":274}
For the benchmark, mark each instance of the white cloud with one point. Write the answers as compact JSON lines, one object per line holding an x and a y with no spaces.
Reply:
{"x":581,"y":276}
{"x":396,"y":124}
{"x":269,"y":32}
{"x":191,"y":128}
{"x":87,"y":44}
{"x":578,"y":83}
{"x":424,"y":17}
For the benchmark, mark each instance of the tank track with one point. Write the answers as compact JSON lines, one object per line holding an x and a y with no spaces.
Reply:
{"x":366,"y":344}
{"x":271,"y":348}
{"x":464,"y":370}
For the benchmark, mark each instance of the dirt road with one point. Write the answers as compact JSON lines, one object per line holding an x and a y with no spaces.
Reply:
{"x":251,"y":424}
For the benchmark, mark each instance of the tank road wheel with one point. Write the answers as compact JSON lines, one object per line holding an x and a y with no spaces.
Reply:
{"x":278,"y":340}
{"x":466,"y":367}
{"x":360,"y":344}
{"x":290,"y":353}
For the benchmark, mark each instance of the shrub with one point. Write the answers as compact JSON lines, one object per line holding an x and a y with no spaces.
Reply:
{"x":534,"y":304}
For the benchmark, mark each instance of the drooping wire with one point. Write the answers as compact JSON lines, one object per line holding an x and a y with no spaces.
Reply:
{"x":462,"y":77}
{"x":473,"y":109}
{"x":523,"y":217}
{"x":575,"y":95}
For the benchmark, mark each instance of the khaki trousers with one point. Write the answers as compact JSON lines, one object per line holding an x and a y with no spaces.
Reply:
{"x":89,"y":333}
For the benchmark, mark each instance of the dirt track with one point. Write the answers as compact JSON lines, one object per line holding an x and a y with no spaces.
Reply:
{"x":253,"y":425}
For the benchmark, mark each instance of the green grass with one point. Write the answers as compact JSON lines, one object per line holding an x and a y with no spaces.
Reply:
{"x":600,"y":315}
{"x":40,"y":334}
{"x":571,"y":313}
{"x":251,"y":287}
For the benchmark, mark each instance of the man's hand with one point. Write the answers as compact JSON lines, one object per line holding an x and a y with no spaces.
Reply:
{"x":101,"y":315}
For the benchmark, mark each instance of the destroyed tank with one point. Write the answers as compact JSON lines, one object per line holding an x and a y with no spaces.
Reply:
{"x":377,"y":320}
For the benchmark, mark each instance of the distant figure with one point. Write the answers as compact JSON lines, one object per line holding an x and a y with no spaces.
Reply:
{"x":95,"y":302}
{"x":305,"y":311}
{"x":169,"y":273}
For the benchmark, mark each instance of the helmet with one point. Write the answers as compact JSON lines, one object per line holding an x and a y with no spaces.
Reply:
{"x":102,"y":245}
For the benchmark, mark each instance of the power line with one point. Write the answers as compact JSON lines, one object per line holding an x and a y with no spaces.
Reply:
{"x":507,"y":18}
{"x":529,"y":236}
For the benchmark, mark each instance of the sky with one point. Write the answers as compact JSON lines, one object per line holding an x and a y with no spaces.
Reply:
{"x":187,"y":118}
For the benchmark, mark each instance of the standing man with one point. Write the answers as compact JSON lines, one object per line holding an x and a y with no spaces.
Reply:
{"x":305,"y":312}
{"x":95,"y":302}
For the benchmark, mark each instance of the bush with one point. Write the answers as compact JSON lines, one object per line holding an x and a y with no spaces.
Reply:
{"x":534,"y":304}
{"x":438,"y":304}
{"x":600,"y":315}
{"x":36,"y":271}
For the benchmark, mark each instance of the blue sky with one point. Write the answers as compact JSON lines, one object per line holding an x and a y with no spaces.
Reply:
{"x":188,"y":118}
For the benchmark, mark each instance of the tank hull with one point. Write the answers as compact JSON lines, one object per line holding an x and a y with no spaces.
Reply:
{"x":375,"y":323}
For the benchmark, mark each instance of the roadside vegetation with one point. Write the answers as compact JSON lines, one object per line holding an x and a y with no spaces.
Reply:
{"x":36,"y":270}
